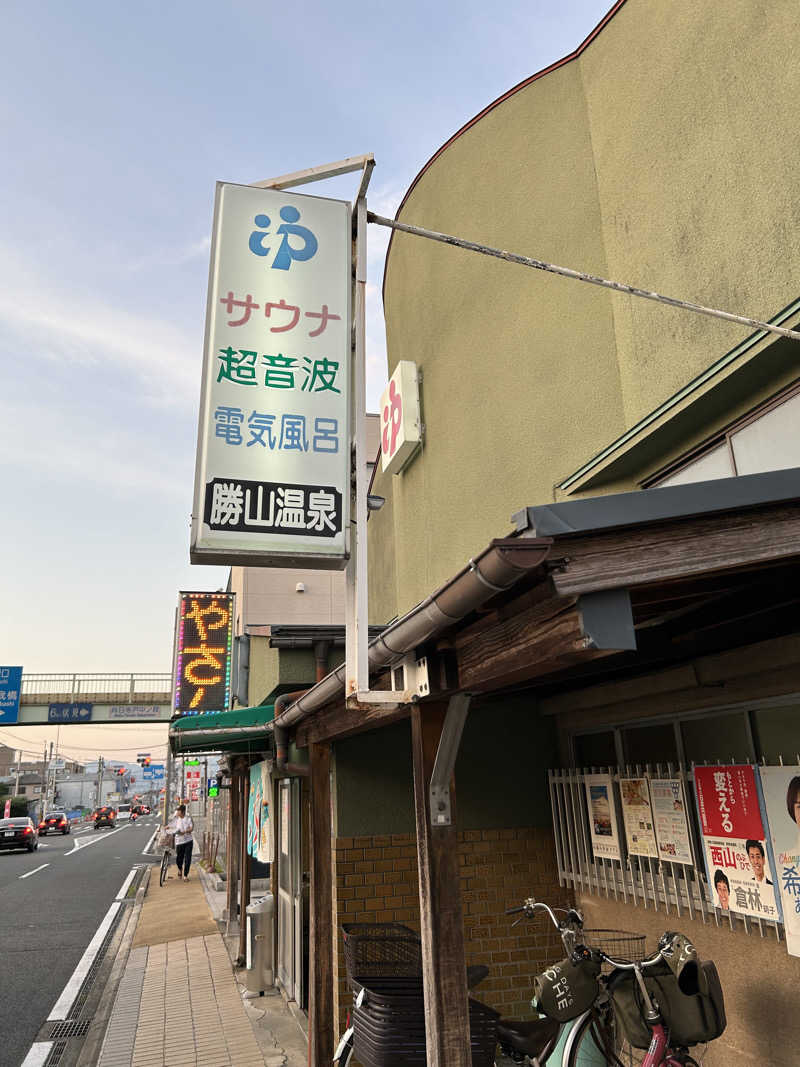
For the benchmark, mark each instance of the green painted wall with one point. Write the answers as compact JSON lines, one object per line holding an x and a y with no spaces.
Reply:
{"x":665,"y":156}
{"x":270,"y":667}
{"x":501,"y":778}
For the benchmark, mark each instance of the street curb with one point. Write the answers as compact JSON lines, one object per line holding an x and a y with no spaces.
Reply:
{"x":95,"y":1038}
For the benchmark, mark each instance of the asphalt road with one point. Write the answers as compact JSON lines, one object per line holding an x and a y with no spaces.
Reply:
{"x":48,"y":916}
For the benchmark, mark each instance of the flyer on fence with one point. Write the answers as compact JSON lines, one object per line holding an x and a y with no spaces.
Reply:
{"x":602,"y":816}
{"x":637,"y":817}
{"x":740,"y":875}
{"x":781,"y":790}
{"x":669,"y":814}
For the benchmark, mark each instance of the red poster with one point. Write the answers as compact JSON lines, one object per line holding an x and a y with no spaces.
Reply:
{"x":728,"y":801}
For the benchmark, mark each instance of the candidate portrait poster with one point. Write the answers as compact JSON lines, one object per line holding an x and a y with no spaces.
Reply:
{"x":668,"y":801}
{"x":637,"y":817}
{"x":740,"y":875}
{"x":602,"y":816}
{"x":781,"y":790}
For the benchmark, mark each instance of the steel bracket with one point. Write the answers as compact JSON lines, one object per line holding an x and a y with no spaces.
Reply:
{"x":444,"y":764}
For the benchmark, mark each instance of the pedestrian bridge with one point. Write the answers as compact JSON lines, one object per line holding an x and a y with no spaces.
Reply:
{"x":93,"y":698}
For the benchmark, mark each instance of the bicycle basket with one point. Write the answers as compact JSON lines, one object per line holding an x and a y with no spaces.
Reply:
{"x":383,"y":950}
{"x":566,"y":990}
{"x":691,"y":1019}
{"x":621,"y":944}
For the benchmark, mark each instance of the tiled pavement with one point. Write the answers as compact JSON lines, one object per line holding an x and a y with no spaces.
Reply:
{"x":178,"y":1005}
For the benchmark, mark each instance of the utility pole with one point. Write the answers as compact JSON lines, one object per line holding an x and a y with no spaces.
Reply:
{"x":16,"y":780}
{"x":100,"y":768}
{"x":205,"y":787}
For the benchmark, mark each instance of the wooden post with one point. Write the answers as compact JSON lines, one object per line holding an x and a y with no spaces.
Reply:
{"x":320,"y":1022}
{"x":232,"y":858}
{"x":245,"y":864}
{"x":441,"y":920}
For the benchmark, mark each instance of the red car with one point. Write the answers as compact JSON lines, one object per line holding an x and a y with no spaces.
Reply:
{"x":54,"y":822}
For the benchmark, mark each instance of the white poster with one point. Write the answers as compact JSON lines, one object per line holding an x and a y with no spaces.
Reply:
{"x":637,"y":817}
{"x":781,"y":790}
{"x":669,"y":815}
{"x":273,"y":454}
{"x":602,"y":816}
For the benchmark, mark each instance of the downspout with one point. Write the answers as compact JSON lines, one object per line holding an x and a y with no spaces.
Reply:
{"x":280,"y":733}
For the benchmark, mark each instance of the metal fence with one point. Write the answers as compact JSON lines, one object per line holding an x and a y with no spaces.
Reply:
{"x":676,"y":888}
{"x":129,"y":686}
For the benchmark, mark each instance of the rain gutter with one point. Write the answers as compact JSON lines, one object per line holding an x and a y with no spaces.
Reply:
{"x":497,"y":568}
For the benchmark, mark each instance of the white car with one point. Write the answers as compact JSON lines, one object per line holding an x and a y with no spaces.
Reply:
{"x":123,"y":812}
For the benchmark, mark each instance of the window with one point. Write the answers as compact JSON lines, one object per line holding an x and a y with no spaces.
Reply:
{"x":765,"y":440}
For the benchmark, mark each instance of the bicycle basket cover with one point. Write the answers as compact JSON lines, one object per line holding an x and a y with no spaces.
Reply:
{"x":692,"y":1019}
{"x":566,"y":990}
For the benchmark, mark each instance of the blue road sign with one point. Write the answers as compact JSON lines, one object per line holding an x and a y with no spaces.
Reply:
{"x":10,"y":686}
{"x":147,"y":773}
{"x":158,"y":772}
{"x":76,"y":712}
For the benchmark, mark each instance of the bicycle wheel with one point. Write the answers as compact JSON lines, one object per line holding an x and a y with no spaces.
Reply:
{"x":162,"y":877}
{"x":597,"y":1033}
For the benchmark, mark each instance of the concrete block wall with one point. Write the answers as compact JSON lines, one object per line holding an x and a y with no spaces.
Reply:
{"x":375,"y":880}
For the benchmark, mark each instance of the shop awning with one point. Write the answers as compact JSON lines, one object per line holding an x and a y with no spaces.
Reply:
{"x":243,"y":731}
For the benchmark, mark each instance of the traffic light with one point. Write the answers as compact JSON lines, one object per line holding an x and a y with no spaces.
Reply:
{"x":146,"y":761}
{"x":120,"y":770}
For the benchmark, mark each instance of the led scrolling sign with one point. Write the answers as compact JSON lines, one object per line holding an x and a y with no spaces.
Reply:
{"x":203,"y":660}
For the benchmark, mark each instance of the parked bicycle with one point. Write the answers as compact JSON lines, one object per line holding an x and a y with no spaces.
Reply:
{"x":167,"y":844}
{"x":646,"y":1012}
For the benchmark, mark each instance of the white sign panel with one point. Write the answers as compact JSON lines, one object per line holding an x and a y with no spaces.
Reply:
{"x":401,"y":422}
{"x":273,"y":457}
{"x":602,"y":816}
{"x":781,"y":789}
{"x":669,"y":812}
{"x":637,"y":817}
{"x":138,"y":711}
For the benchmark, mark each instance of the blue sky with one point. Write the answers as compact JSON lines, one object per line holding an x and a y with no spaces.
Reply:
{"x":116,"y":122}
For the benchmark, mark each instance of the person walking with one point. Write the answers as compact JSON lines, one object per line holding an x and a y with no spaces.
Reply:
{"x":183,"y":827}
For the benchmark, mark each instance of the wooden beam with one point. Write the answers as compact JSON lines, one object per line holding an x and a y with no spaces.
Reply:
{"x":320,"y":1022}
{"x":339,"y":721}
{"x":704,"y":545}
{"x":441,"y":920}
{"x":545,"y":638}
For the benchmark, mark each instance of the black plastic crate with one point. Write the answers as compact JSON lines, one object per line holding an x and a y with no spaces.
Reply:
{"x":389,"y":1027}
{"x":382,"y":950}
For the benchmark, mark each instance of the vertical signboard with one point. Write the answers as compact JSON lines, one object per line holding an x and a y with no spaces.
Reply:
{"x":259,"y":823}
{"x":10,"y":687}
{"x":737,"y":854}
{"x":602,"y":816}
{"x":401,"y":422}
{"x":272,"y":482}
{"x":203,"y":653}
{"x":781,"y":789}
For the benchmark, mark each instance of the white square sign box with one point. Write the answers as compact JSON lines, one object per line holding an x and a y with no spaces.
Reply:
{"x":272,"y":480}
{"x":401,"y":425}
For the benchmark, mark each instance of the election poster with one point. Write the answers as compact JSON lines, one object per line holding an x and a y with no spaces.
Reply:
{"x":669,"y":815}
{"x":602,"y":816}
{"x":781,"y":790}
{"x":637,"y":817}
{"x":736,"y":850}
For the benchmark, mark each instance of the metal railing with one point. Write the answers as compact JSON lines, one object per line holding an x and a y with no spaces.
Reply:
{"x":122,"y":687}
{"x":641,"y":881}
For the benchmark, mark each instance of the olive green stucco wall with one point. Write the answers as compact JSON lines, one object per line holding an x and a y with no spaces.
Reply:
{"x":501,"y":773}
{"x":664,"y":156}
{"x":271,"y":667}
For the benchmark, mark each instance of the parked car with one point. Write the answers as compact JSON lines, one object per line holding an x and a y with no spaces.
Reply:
{"x":55,"y":821}
{"x":124,"y":812}
{"x":18,"y":833}
{"x":104,"y":816}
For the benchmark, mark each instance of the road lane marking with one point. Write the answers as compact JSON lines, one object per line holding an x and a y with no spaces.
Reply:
{"x":72,"y":988}
{"x":38,"y":1054}
{"x":146,"y":850}
{"x":78,"y":847}
{"x":127,"y":883}
{"x":35,"y":869}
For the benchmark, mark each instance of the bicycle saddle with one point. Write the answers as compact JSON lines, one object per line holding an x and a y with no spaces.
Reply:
{"x":531,"y":1037}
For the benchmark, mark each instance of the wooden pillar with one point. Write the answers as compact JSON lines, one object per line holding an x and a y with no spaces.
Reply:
{"x":244,"y":864}
{"x":232,"y":858}
{"x":320,"y":1022}
{"x":441,"y":920}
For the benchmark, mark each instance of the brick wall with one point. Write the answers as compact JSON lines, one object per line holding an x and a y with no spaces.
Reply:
{"x":376,"y":881}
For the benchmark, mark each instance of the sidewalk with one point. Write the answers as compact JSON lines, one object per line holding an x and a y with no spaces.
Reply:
{"x":179,"y":1004}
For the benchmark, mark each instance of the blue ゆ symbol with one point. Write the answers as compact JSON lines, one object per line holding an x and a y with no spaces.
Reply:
{"x":287,"y":253}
